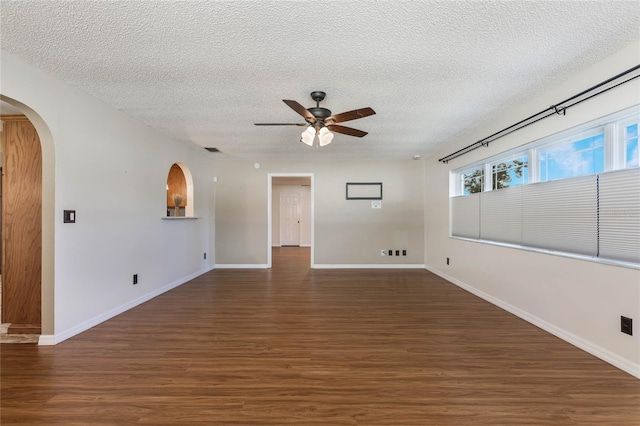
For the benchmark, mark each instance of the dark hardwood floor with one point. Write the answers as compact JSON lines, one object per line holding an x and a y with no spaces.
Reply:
{"x":294,"y":346}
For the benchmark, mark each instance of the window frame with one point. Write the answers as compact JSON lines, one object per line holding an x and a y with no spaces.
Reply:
{"x":622,"y":140}
{"x":513,"y":156}
{"x":612,"y":126}
{"x":473,"y":169}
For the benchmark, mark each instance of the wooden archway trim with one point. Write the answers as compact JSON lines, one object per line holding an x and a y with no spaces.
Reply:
{"x":13,"y":118}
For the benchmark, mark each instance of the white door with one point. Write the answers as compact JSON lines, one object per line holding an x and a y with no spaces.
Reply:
{"x":289,"y":219}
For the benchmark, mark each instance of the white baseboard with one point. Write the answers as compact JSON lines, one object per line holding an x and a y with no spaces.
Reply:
{"x":369,"y":266}
{"x":54,"y":339}
{"x":242,"y":266}
{"x":587,"y":346}
{"x":47,"y":340}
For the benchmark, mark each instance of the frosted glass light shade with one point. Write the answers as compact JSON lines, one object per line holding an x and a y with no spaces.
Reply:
{"x":325,"y":136}
{"x":308,"y":136}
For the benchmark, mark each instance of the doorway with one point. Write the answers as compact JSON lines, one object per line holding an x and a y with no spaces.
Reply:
{"x":290,"y":213}
{"x":21,"y":217}
{"x":37,"y":236}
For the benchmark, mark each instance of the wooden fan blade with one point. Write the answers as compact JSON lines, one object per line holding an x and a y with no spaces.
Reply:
{"x":300,"y":110}
{"x":346,"y":130}
{"x":350,"y":115}
{"x":280,"y":124}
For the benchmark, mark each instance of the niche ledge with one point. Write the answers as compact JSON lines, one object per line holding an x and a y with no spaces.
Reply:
{"x":179,"y":217}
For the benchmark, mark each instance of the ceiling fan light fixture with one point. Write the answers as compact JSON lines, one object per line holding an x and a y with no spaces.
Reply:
{"x":308,"y":136}
{"x":324,"y":137}
{"x":318,"y":120}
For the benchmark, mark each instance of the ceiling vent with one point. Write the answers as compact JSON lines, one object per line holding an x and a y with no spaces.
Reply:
{"x":212,"y":149}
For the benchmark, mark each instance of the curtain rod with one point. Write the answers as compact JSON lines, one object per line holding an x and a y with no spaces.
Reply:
{"x":560,"y":109}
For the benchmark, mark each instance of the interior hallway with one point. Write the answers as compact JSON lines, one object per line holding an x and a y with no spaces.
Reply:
{"x":298,"y":346}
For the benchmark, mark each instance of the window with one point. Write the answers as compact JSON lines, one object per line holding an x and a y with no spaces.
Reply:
{"x":510,"y":173}
{"x":575,"y":193}
{"x":473,"y":181}
{"x":632,"y":156}
{"x":571,"y":159}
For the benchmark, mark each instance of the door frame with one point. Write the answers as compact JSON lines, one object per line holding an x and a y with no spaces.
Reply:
{"x":270,"y":177}
{"x":47,"y":147}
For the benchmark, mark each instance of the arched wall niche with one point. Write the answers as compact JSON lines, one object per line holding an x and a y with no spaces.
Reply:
{"x":180,"y":181}
{"x":48,"y":214}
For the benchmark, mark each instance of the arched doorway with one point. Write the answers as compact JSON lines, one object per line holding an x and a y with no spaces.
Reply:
{"x":21,"y":226}
{"x":27,"y":221}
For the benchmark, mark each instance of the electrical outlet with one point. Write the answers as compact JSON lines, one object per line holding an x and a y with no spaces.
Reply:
{"x":390,"y":252}
{"x":404,"y":252}
{"x":626,"y":325}
{"x":447,"y":260}
{"x":397,"y":252}
{"x":135,"y":279}
{"x":382,"y":253}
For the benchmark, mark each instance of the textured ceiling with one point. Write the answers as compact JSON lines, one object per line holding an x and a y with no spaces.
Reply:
{"x":205,"y":71}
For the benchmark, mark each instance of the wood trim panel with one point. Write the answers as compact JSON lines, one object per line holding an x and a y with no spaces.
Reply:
{"x":14,"y":118}
{"x":24,"y":329}
{"x":21,"y":224}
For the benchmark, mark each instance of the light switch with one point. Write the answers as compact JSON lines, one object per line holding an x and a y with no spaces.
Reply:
{"x":69,"y":216}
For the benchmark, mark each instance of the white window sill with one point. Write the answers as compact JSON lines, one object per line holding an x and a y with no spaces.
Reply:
{"x":554,"y":253}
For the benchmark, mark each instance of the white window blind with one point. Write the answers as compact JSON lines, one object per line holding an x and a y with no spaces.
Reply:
{"x":501,"y":215}
{"x":465,"y":216}
{"x":620,"y":215}
{"x":576,"y":192}
{"x":561,"y":215}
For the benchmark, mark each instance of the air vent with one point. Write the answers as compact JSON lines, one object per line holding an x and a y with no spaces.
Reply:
{"x":212,"y":149}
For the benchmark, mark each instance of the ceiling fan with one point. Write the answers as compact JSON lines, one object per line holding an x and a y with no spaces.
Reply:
{"x":320,"y":121}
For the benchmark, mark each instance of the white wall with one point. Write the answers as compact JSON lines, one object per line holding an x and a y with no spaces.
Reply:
{"x":304,"y":193}
{"x":347,"y":232}
{"x":112,"y":170}
{"x":580,"y":301}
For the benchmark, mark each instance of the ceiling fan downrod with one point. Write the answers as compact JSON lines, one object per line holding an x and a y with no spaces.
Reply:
{"x":319,"y":112}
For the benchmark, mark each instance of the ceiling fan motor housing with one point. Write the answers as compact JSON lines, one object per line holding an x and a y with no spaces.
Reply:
{"x":319,"y":112}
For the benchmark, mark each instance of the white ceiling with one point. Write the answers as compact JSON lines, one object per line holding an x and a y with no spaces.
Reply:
{"x":205,"y":71}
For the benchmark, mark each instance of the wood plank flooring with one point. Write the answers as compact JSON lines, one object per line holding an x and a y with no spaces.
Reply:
{"x":294,"y":346}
